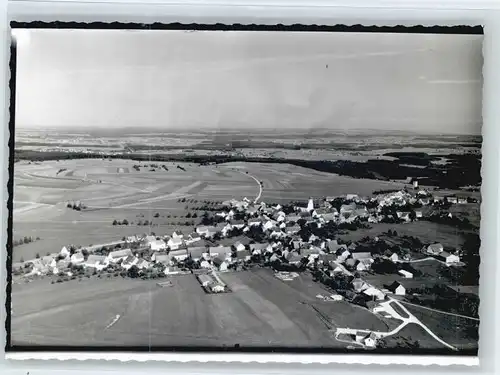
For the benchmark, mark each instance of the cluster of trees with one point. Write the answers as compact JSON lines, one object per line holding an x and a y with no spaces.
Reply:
{"x":24,"y":240}
{"x":123,"y":222}
{"x":460,"y":223}
{"x":441,"y":297}
{"x":77,"y":206}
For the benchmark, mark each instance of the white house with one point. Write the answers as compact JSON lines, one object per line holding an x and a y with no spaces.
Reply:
{"x":174,"y":243}
{"x":397,"y":288}
{"x":418,"y":214}
{"x":157,"y":245}
{"x":239,"y":246}
{"x":394,"y":257}
{"x":64,"y":252}
{"x":406,"y":274}
{"x":268,"y":225}
{"x":370,"y":341}
{"x":99,"y":262}
{"x":452,"y":200}
{"x":449,"y":258}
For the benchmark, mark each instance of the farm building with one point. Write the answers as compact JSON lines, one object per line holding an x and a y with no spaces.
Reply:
{"x":294,"y":258}
{"x":193,"y":237}
{"x":462,"y":200}
{"x":397,"y":288}
{"x":220,"y":263}
{"x":363,"y":264}
{"x":98,"y":262}
{"x":130,"y":261}
{"x":218,"y":288}
{"x":49,"y":261}
{"x":449,"y":258}
{"x":254,"y":222}
{"x":116,"y":256}
{"x":205,"y":280}
{"x":406,"y":274}
{"x":77,"y":258}
{"x":258,"y":248}
{"x":157,"y":245}
{"x":435,"y":249}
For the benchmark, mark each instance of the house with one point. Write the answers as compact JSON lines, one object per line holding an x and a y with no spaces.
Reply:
{"x":406,"y":274}
{"x":77,"y":258}
{"x":205,"y":264}
{"x":292,"y":229}
{"x":64,"y":252}
{"x":293,"y":218}
{"x":370,"y":340}
{"x":161,"y":258}
{"x":207,"y":231}
{"x":273,"y":258}
{"x":363,"y":264}
{"x":242,"y":255}
{"x":49,"y":261}
{"x":239,"y":224}
{"x":239,"y":246}
{"x":327,"y":259}
{"x":361,"y":255}
{"x":294,"y":258}
{"x":374,"y":293}
{"x":394,"y":257}
{"x":418,"y":214}
{"x":193,"y":237}
{"x":462,"y":200}
{"x":268,"y":225}
{"x":177,"y":234}
{"x":149,"y":239}
{"x":254,"y":222}
{"x":258,"y":248}
{"x":142,"y":264}
{"x":452,"y":200}
{"x":359,"y":285}
{"x":157,"y":245}
{"x":220,"y":251}
{"x":197,"y":252}
{"x":397,"y":288}
{"x":351,"y":262}
{"x":98,"y":262}
{"x":352,"y":197}
{"x":179,"y":255}
{"x":449,"y":258}
{"x":220,"y":263}
{"x":435,"y":249}
{"x":329,"y":216}
{"x":118,"y":255}
{"x":313,"y":250}
{"x":133,"y":238}
{"x":175,"y":243}
{"x":344,"y":254}
{"x":130,"y":261}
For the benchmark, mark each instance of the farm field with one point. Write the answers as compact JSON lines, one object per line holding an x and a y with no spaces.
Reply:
{"x":113,"y":189}
{"x":52,"y":314}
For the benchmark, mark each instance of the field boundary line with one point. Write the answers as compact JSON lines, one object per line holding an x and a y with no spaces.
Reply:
{"x":439,"y":311}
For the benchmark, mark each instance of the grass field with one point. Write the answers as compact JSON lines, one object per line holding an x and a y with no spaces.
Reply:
{"x":261,"y":311}
{"x":459,"y":332}
{"x":115,"y":190}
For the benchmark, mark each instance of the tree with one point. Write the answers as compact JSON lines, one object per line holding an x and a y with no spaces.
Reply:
{"x":413,"y":216}
{"x":125,"y":222}
{"x":133,"y":272}
{"x":157,"y":215}
{"x":115,"y":222}
{"x":37,"y":256}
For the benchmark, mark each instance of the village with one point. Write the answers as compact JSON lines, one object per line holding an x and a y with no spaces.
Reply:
{"x":374,"y":272}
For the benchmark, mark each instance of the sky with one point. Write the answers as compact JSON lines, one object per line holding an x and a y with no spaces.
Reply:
{"x":243,"y":80}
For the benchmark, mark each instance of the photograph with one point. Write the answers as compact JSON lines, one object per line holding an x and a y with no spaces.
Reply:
{"x":247,"y":189}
